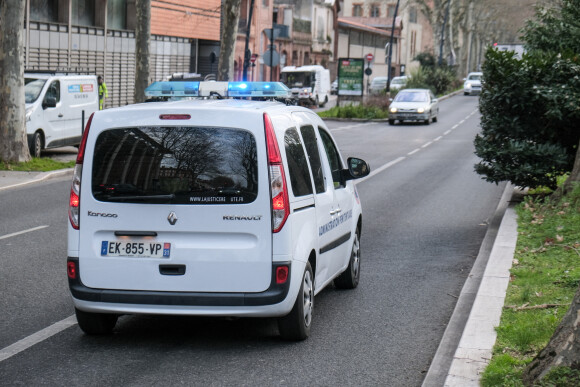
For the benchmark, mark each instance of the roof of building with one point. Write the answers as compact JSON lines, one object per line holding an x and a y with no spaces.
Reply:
{"x":380,"y":26}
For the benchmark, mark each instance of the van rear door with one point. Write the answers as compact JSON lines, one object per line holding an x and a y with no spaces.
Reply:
{"x":177,"y":208}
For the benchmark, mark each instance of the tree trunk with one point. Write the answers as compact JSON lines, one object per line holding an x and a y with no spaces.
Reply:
{"x":230,"y":15}
{"x":571,"y":181}
{"x":563,"y":348}
{"x":142,"y":42}
{"x":13,"y":142}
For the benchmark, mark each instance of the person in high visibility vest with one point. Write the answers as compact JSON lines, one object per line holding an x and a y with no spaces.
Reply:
{"x":103,"y":92}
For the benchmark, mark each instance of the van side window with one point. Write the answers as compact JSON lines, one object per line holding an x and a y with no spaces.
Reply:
{"x":314,"y":156}
{"x":333,"y":158}
{"x":53,"y":91}
{"x":297,"y":166}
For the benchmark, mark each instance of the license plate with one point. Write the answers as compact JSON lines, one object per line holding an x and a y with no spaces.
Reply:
{"x":135,"y":249}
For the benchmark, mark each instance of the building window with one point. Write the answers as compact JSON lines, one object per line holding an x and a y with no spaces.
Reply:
{"x":375,"y":10}
{"x":83,"y":12}
{"x":117,"y":14}
{"x":412,"y":15}
{"x":413,"y":43}
{"x":357,"y":10}
{"x":44,"y":10}
{"x":391,"y":10}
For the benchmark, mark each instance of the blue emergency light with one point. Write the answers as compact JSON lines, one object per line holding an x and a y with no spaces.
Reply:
{"x":173,"y":89}
{"x":234,"y":89}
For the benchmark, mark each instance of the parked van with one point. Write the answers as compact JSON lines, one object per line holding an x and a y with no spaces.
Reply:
{"x":310,"y":85}
{"x":55,"y":104}
{"x":215,"y":206}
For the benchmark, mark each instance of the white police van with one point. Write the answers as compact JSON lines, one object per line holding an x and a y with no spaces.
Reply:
{"x":211,"y":207}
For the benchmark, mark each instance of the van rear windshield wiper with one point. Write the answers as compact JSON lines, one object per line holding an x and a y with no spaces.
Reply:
{"x":140,"y":197}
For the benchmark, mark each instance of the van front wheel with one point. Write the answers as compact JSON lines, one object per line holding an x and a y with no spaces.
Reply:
{"x":96,"y":323}
{"x":35,"y":145}
{"x":295,"y":326}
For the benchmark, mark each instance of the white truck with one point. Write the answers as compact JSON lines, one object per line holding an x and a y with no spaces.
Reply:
{"x":310,"y":85}
{"x":55,"y":107}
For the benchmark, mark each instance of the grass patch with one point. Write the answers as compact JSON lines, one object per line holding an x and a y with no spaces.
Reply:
{"x":545,"y":271}
{"x":41,"y":164}
{"x":351,"y":111}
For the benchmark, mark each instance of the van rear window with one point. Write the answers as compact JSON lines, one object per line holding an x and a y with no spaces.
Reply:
{"x":175,"y":165}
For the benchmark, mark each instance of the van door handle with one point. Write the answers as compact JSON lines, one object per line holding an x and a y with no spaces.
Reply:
{"x":172,"y":269}
{"x":334,"y":212}
{"x":60,"y":115}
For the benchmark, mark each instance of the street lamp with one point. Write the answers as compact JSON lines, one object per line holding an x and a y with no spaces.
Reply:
{"x":390,"y":48}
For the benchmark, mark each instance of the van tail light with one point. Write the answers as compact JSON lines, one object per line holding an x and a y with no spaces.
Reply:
{"x":278,"y":186}
{"x":74,"y":203}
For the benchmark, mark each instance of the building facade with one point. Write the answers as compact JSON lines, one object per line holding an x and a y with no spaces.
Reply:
{"x":98,"y":37}
{"x":412,"y":35}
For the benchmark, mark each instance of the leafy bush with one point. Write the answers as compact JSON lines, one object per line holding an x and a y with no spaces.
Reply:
{"x":351,"y":111}
{"x":529,"y":113}
{"x":439,"y":79}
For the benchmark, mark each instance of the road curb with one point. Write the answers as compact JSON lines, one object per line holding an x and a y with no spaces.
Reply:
{"x":448,"y":347}
{"x":41,"y":177}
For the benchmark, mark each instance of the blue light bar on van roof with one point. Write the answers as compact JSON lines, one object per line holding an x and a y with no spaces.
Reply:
{"x":258,"y":89}
{"x":173,"y":89}
{"x":177,"y":89}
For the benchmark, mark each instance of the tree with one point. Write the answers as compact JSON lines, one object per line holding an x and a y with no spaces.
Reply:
{"x":13,"y":143}
{"x":539,"y":127}
{"x":142,"y":42}
{"x":229,"y":32}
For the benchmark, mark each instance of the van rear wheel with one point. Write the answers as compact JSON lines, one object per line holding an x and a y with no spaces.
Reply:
{"x":295,"y":326}
{"x":35,"y":145}
{"x":349,"y":278}
{"x":96,"y":323}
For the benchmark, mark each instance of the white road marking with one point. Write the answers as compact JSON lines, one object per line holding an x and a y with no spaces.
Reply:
{"x":447,"y":132}
{"x":349,"y":127}
{"x":413,"y":152}
{"x":36,"y":338}
{"x":438,"y":138}
{"x":454,"y":126}
{"x":427,"y":144}
{"x":22,"y":232}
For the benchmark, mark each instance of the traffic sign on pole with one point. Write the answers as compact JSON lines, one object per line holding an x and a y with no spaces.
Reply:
{"x":370,"y":57}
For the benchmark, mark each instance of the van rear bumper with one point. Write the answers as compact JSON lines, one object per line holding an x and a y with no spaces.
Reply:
{"x":275,"y":294}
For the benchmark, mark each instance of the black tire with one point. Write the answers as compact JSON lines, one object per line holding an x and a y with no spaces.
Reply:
{"x":427,"y":121}
{"x":35,"y":145}
{"x":96,"y":323}
{"x":350,"y":277}
{"x":464,"y":93}
{"x":316,"y":102}
{"x":325,"y":102}
{"x":295,"y":326}
{"x":435,"y":119}
{"x":391,"y":122}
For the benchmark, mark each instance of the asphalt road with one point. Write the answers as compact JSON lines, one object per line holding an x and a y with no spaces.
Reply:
{"x":425,"y":214}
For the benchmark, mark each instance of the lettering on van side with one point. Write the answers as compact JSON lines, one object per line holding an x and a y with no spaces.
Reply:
{"x":239,"y":217}
{"x":101,"y":214}
{"x":207,"y":199}
{"x":334,"y":223}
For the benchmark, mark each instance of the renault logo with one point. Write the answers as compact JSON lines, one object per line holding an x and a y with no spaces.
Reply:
{"x":172,"y":218}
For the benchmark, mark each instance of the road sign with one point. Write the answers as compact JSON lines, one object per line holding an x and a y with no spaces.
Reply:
{"x":370,"y":57}
{"x":253,"y":58}
{"x":368,"y":71}
{"x":274,"y":55}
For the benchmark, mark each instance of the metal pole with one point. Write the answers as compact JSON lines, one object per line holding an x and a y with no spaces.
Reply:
{"x":443,"y":34}
{"x":389,"y":75}
{"x":247,"y":49}
{"x":272,"y":51}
